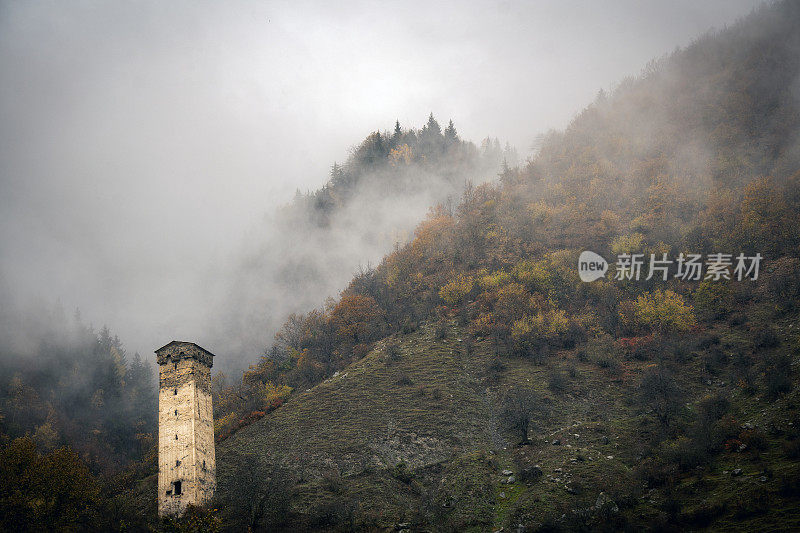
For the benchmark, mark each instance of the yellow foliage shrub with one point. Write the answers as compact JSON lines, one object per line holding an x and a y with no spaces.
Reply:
{"x":663,"y":311}
{"x":454,"y":292}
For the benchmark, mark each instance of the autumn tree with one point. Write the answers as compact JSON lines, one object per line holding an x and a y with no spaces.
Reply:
{"x":714,"y":299}
{"x":454,"y":292}
{"x":291,"y":334}
{"x":53,"y":492}
{"x":662,"y":312}
{"x":309,"y":368}
{"x":400,"y":155}
{"x":768,"y":227}
{"x":357,"y":318}
{"x":531,"y":332}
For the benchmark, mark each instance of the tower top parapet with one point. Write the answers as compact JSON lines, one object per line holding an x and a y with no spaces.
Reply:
{"x":176,"y":350}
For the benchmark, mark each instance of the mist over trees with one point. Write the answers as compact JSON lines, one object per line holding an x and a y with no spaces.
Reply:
{"x":72,"y":397}
{"x":77,"y":421}
{"x":675,"y":160}
{"x":308,"y":250}
{"x":63,"y":383}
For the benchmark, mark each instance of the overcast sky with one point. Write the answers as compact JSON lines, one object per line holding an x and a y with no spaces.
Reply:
{"x":141,"y":143}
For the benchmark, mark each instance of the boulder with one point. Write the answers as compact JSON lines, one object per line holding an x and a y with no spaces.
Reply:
{"x":605,"y":504}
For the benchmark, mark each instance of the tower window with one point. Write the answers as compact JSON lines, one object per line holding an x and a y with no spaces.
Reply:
{"x":204,"y":464}
{"x":177,"y":462}
{"x":176,"y":392}
{"x":176,"y":436}
{"x":176,"y":412}
{"x":177,"y":486}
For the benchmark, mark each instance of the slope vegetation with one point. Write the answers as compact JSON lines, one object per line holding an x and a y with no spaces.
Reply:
{"x":481,"y":384}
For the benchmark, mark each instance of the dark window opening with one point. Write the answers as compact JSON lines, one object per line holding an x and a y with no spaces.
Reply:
{"x":176,"y":365}
{"x":176,"y":412}
{"x":204,"y":465}
{"x":177,"y":485}
{"x":176,"y":436}
{"x":169,"y":492}
{"x":177,"y":462}
{"x":176,"y":392}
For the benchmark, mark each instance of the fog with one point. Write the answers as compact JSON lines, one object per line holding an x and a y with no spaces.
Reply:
{"x":146,"y":147}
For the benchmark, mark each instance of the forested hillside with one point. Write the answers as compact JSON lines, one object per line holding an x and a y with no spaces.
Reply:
{"x":673,"y":161}
{"x":369,"y":204}
{"x":307,"y":250}
{"x":697,"y":155}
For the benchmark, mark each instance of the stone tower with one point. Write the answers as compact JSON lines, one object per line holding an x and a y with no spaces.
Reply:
{"x":186,"y":463}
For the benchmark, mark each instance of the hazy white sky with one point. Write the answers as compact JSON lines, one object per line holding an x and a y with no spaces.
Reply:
{"x":141,"y":142}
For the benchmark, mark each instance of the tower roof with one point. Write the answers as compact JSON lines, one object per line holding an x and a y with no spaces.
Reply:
{"x":184,"y":342}
{"x":174,"y":350}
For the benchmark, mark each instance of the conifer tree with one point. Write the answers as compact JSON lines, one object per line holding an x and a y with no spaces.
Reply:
{"x":450,"y":134}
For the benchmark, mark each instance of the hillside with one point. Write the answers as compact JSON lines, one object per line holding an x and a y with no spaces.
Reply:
{"x":414,"y":434}
{"x":681,"y":394}
{"x":471,"y":381}
{"x":307,"y":250}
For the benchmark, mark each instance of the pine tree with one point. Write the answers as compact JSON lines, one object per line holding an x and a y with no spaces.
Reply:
{"x":432,"y":128}
{"x":431,"y":139}
{"x":338,"y":178}
{"x":450,"y":134}
{"x":141,"y":392}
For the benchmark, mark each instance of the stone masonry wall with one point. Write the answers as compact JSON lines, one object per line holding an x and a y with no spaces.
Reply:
{"x":185,"y":434}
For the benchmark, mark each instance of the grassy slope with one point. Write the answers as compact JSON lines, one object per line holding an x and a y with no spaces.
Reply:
{"x":435,"y":409}
{"x":378,"y":412}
